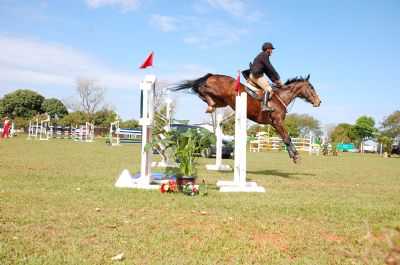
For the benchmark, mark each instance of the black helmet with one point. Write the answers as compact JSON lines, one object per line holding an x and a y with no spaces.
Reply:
{"x":267,"y":45}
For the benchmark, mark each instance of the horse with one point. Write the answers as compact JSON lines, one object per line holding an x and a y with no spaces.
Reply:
{"x":220,"y":91}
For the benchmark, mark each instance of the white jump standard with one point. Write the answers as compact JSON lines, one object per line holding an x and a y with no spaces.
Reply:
{"x":239,"y":183}
{"x":143,"y":180}
{"x":218,"y":166}
{"x":161,"y":148}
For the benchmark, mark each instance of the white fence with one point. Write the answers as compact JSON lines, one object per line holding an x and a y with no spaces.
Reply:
{"x":264,"y":143}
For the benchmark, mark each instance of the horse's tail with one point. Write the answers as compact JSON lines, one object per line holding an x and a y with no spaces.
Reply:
{"x":194,"y":85}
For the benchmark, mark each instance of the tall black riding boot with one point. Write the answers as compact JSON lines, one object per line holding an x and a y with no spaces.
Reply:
{"x":264,"y":105}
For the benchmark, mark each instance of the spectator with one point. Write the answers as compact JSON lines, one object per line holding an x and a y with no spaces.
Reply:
{"x":6,"y":128}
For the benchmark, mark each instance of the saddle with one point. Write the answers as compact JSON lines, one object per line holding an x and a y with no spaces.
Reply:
{"x":252,"y":89}
{"x":246,"y":75}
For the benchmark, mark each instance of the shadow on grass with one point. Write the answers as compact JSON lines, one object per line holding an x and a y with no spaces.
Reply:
{"x":288,"y":175}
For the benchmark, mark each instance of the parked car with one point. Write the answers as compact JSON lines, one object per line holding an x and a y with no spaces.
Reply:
{"x":396,"y":149}
{"x":227,"y":150}
{"x":210,"y":149}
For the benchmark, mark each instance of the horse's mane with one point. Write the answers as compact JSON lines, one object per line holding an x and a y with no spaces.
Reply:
{"x":295,"y":79}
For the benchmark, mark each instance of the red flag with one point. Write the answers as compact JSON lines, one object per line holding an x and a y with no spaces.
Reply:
{"x":148,"y":62}
{"x":237,"y":83}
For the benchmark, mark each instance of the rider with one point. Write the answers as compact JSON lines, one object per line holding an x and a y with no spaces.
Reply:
{"x":261,"y":65}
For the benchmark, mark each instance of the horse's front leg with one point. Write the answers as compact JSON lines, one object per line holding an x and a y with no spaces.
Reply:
{"x":293,"y":154}
{"x":211,"y":104}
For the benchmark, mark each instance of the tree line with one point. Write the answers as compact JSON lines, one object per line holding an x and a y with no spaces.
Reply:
{"x":300,"y":125}
{"x":365,"y":128}
{"x":23,"y":105}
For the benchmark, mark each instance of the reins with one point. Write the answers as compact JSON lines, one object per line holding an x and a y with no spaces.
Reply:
{"x":286,"y":106}
{"x":281,"y":101}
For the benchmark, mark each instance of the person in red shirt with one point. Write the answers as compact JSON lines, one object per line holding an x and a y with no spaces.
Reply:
{"x":6,"y":128}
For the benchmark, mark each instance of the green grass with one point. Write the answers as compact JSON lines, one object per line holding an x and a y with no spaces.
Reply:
{"x":58,"y":205}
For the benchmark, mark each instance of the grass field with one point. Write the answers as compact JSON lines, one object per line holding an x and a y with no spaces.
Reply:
{"x":58,"y":206}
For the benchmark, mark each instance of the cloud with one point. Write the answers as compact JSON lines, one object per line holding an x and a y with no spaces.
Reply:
{"x":164,"y":23}
{"x":233,"y":7}
{"x":176,"y":73}
{"x":27,"y":61}
{"x":199,"y":31}
{"x":213,"y":34}
{"x":124,"y":5}
{"x":237,"y":8}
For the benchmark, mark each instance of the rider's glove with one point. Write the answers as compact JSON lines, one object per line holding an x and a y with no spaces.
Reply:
{"x":278,"y":83}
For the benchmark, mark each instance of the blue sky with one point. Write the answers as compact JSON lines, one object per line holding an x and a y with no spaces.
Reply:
{"x":350,"y":48}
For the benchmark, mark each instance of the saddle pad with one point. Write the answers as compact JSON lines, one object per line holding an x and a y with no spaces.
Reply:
{"x":251,"y":87}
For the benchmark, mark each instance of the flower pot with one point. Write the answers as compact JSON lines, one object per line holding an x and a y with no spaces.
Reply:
{"x":180,"y":181}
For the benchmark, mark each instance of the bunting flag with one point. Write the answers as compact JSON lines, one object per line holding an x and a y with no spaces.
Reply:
{"x":237,"y":83}
{"x":148,"y":62}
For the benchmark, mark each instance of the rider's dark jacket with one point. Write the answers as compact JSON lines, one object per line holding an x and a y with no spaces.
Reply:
{"x":261,"y":65}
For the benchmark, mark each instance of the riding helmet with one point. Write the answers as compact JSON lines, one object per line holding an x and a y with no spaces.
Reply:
{"x":267,"y":45}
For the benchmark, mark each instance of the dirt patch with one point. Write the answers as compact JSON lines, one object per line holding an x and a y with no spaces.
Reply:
{"x":275,"y":239}
{"x":330,"y":237}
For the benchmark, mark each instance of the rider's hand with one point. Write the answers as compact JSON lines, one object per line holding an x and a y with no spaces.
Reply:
{"x":278,"y":83}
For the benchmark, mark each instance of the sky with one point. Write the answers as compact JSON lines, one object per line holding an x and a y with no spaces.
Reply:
{"x":350,"y":49}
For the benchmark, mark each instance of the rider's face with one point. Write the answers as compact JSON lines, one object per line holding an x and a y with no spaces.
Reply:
{"x":269,"y":51}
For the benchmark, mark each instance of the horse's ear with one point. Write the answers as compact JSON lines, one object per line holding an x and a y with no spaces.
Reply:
{"x":308,"y":77}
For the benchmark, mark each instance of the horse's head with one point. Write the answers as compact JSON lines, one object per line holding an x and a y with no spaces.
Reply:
{"x":306,"y":90}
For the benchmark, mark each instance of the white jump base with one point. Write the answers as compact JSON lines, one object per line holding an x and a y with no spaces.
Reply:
{"x":239,"y":183}
{"x":126,"y":180}
{"x":231,"y":186}
{"x":219,"y":167}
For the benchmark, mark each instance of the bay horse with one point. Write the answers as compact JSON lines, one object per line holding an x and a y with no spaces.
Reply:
{"x":220,"y":91}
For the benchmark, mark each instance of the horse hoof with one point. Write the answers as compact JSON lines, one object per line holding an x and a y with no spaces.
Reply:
{"x":296,"y":160}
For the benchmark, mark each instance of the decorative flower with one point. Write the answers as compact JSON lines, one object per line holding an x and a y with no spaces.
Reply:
{"x":170,"y":186}
{"x":163,"y":188}
{"x":190,"y":189}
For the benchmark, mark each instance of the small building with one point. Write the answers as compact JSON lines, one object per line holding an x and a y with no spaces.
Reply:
{"x":369,"y":146}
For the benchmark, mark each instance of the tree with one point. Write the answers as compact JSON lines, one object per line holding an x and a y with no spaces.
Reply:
{"x":228,"y":121}
{"x":21,"y":123}
{"x":343,"y":133}
{"x":387,"y":143}
{"x":91,"y":96}
{"x":160,"y":94}
{"x":301,"y":125}
{"x":292,"y":125}
{"x":22,"y":103}
{"x":74,"y":119}
{"x":104,"y":117}
{"x":364,"y":128}
{"x":54,"y":107}
{"x":228,"y":126}
{"x":1,"y":108}
{"x":391,"y":125}
{"x":129,"y":124}
{"x":256,"y":128}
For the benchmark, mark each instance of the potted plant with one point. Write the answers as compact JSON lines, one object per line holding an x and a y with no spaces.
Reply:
{"x":186,"y":147}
